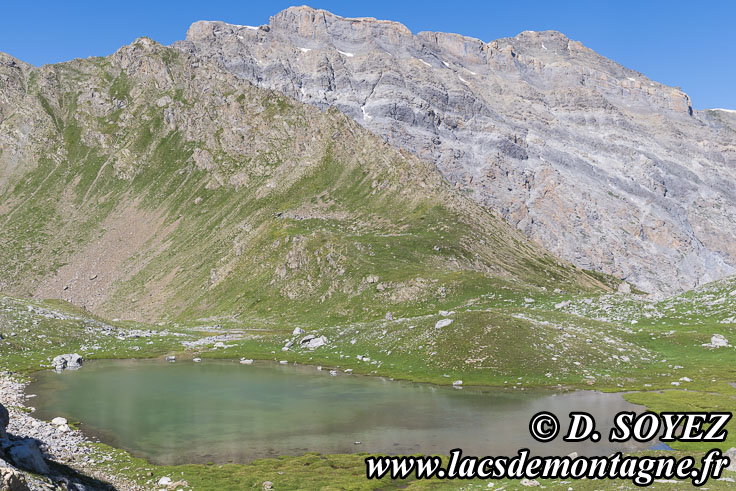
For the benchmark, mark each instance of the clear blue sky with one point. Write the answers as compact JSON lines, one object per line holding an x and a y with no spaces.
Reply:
{"x":691,"y":45}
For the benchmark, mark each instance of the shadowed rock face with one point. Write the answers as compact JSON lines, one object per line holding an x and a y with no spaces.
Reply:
{"x":601,"y":165}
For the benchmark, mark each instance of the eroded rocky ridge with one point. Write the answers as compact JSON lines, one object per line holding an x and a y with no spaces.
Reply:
{"x":151,"y":184}
{"x":603,"y":166}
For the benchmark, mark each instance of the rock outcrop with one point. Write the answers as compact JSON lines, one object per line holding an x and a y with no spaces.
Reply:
{"x":603,"y":166}
{"x":25,"y":454}
{"x":71,"y":361}
{"x":22,"y":452}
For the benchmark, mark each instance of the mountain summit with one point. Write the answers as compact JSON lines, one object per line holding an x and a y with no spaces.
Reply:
{"x":603,"y":166}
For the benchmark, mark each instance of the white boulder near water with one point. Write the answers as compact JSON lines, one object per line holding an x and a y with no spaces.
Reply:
{"x":71,"y":361}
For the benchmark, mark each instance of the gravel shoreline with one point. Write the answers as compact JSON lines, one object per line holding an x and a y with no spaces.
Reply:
{"x":59,"y":444}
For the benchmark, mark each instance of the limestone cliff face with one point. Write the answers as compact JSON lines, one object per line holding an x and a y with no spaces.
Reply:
{"x":601,"y":165}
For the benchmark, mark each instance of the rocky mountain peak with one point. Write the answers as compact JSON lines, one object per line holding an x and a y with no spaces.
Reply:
{"x":603,"y":166}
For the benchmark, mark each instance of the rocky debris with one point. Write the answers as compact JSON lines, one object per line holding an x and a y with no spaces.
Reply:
{"x":457,"y":383}
{"x":311,"y":341}
{"x":58,"y":421}
{"x":71,"y":361}
{"x":246,"y":361}
{"x":389,"y":316}
{"x":624,"y":288}
{"x":443,"y":323}
{"x":297,"y":331}
{"x":218,"y":340}
{"x":529,"y":482}
{"x":717,"y":341}
{"x":525,"y":125}
{"x":171,"y":358}
{"x":11,"y":479}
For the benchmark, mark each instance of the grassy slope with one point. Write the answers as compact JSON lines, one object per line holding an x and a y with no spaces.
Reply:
{"x":162,"y":191}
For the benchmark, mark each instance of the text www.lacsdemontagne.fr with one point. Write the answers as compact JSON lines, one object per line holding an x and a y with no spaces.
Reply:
{"x":641,"y":470}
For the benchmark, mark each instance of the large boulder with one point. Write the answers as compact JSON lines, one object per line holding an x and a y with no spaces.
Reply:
{"x":311,"y":341}
{"x":25,"y":454}
{"x":70,"y":361}
{"x":4,"y":421}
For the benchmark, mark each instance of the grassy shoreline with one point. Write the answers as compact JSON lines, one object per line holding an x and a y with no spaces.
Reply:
{"x":393,"y":346}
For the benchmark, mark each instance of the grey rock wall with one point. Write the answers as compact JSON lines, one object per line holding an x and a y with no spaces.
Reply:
{"x":604,"y":167}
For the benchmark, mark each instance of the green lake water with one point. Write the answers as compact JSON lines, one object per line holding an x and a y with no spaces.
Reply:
{"x":220,"y":411}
